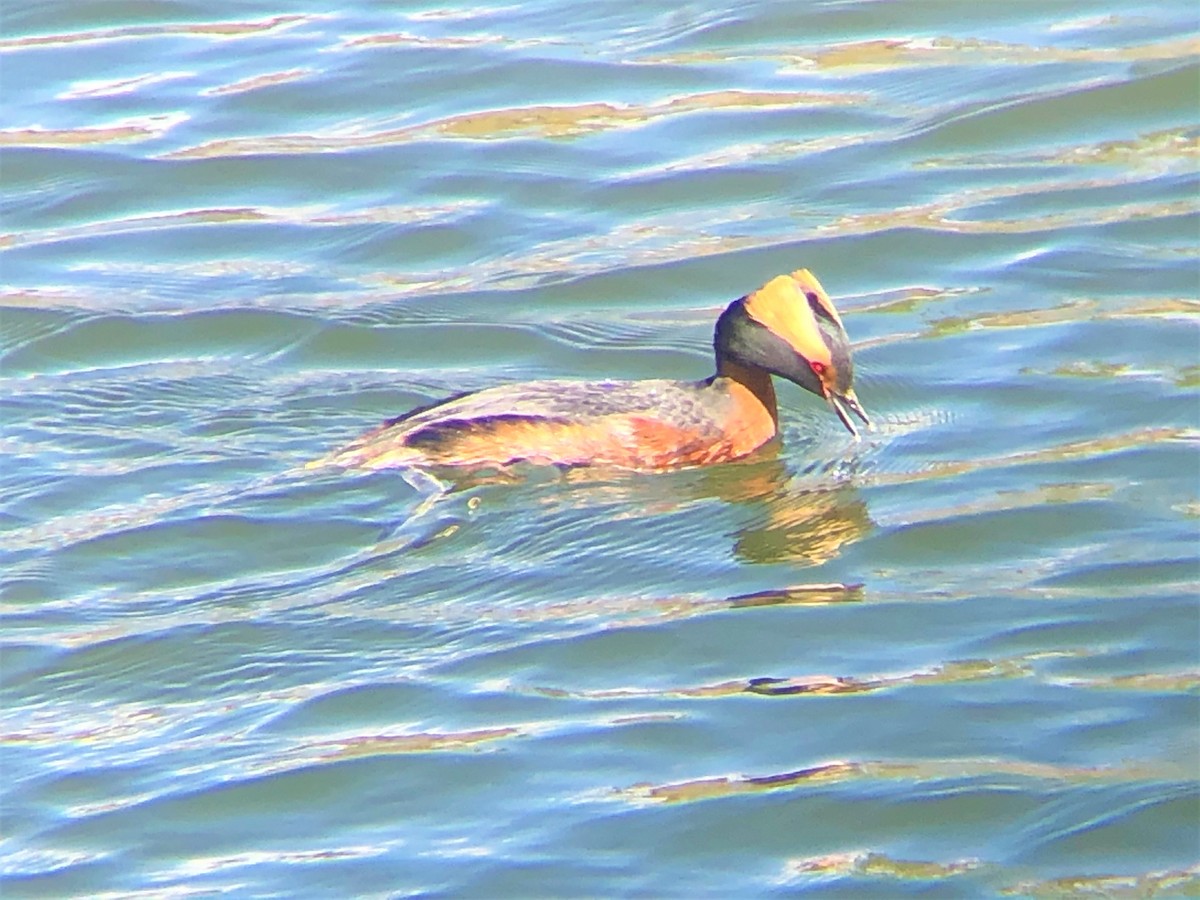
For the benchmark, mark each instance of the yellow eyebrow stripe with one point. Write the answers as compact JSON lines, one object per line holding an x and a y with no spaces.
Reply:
{"x":781,"y":306}
{"x":807,"y":282}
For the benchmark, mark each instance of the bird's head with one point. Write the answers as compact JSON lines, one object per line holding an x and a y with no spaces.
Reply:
{"x":789,"y":327}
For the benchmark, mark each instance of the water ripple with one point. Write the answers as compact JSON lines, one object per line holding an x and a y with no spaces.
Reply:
{"x":956,"y":657}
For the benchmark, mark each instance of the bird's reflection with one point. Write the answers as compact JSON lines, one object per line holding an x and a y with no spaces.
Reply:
{"x":798,"y":518}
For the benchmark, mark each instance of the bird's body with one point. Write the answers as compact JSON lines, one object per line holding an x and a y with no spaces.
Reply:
{"x":645,"y":425}
{"x":788,"y":328}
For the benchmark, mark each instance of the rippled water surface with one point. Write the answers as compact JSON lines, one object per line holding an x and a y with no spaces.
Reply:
{"x":959,"y":658}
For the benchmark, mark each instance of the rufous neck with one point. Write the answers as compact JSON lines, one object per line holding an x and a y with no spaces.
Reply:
{"x":757,"y":381}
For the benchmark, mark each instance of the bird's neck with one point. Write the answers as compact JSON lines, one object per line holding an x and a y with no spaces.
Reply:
{"x":757,"y":382}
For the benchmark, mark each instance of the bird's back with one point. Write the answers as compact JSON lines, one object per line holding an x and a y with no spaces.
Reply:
{"x":651,"y":424}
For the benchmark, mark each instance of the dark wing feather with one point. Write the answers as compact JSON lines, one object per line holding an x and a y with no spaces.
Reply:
{"x":557,"y":400}
{"x":431,"y":436}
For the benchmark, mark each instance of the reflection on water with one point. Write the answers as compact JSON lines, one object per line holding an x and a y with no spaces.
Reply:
{"x":928,"y":770}
{"x":805,"y":525}
{"x":802,"y":520}
{"x":956,"y":658}
{"x":525,"y":121}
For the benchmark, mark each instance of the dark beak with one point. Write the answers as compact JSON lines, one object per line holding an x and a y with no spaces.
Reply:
{"x":842,"y":402}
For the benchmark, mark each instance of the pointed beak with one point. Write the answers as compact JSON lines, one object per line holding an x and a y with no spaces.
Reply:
{"x":848,"y":401}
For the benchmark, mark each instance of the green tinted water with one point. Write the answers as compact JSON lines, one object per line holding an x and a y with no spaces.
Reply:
{"x":957,"y":659}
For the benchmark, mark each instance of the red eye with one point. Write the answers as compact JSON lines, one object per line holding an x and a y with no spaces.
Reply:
{"x":818,"y":368}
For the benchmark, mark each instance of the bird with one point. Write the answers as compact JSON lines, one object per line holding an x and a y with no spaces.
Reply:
{"x":787,"y":328}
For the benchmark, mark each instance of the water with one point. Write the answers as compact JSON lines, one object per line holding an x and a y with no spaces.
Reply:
{"x":957,"y":659}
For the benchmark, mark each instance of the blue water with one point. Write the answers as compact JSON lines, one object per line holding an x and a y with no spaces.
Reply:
{"x":959,"y":658}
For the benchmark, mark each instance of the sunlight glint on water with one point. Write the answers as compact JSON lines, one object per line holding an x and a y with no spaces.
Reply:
{"x":958,"y":658}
